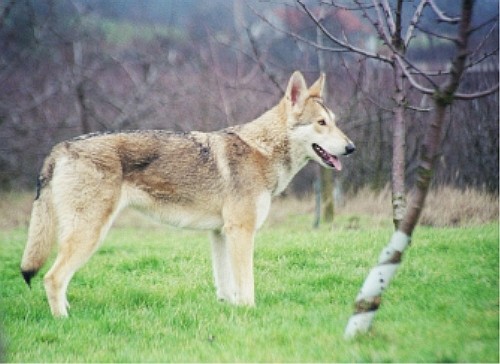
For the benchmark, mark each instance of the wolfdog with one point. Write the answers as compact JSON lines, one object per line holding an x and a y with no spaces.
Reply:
{"x":220,"y":181}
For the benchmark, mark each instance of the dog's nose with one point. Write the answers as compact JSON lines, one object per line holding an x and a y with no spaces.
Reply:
{"x":350,"y":148}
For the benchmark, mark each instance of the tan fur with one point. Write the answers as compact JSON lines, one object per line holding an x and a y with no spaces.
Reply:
{"x":221,"y":181}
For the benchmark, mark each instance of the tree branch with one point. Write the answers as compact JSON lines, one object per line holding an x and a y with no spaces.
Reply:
{"x":419,"y":109}
{"x":437,"y":35}
{"x":441,"y":15}
{"x":481,"y":59}
{"x":414,"y":21}
{"x":411,"y":79}
{"x":483,"y":41}
{"x":298,"y":37}
{"x":379,"y":23}
{"x":216,"y":69}
{"x":392,"y":24}
{"x":476,"y":95}
{"x":365,"y":94}
{"x":476,"y":28}
{"x":346,"y":46}
{"x":261,"y":64}
{"x":348,"y":8}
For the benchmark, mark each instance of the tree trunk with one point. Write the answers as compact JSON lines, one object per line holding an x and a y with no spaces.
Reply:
{"x":398,"y":150}
{"x":429,"y":153}
{"x":326,"y":176}
{"x":328,"y":206}
{"x":81,"y":97}
{"x":369,"y":297}
{"x":317,"y":201}
{"x":83,"y":108}
{"x":379,"y":175}
{"x":398,"y":124}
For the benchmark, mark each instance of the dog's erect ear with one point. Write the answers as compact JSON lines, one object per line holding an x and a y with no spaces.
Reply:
{"x":297,"y":92}
{"x":316,"y":90}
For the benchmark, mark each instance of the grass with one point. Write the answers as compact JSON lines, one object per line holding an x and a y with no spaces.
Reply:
{"x":445,"y":206}
{"x":147,"y":296}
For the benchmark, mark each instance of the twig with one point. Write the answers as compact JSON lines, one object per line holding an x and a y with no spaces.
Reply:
{"x":391,"y":24}
{"x":262,"y":65}
{"x":482,"y":58}
{"x":411,"y":79}
{"x":379,"y":23}
{"x":250,"y":75}
{"x":296,"y":36}
{"x":483,"y":41}
{"x":346,"y":46}
{"x":414,"y":21}
{"x":365,"y":95}
{"x":476,"y":95}
{"x":419,"y":109}
{"x":441,"y":15}
{"x":437,"y":35}
{"x":476,"y":28}
{"x":348,"y":8}
{"x":216,"y":68}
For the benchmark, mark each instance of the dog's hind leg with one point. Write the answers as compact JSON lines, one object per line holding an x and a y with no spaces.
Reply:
{"x":75,"y":249}
{"x":77,"y":244}
{"x":73,"y":253}
{"x":221,"y":266}
{"x":84,"y":216}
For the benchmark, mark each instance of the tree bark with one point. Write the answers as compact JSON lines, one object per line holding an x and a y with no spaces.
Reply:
{"x":328,"y":205}
{"x":398,"y":149}
{"x":399,"y":127}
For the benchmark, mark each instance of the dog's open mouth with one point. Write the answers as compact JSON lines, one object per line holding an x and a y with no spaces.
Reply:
{"x":329,"y":159}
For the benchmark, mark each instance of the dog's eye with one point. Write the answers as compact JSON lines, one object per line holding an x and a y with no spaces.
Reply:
{"x":322,"y":122}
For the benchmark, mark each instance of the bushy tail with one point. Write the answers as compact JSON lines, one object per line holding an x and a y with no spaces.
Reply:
{"x":41,"y":233}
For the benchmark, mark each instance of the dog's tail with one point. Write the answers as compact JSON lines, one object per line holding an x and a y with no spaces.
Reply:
{"x":42,"y":227}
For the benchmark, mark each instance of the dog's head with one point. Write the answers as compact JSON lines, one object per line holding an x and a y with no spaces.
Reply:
{"x":312,"y":124}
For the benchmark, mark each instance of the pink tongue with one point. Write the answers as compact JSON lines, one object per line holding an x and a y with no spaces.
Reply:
{"x":336,"y":162}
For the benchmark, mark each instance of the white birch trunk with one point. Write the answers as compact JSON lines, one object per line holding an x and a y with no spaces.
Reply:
{"x":369,"y":297}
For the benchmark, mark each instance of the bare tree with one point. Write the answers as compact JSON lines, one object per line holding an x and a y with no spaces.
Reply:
{"x":443,"y":95}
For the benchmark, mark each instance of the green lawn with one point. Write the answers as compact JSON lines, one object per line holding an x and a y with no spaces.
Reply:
{"x":147,"y":295}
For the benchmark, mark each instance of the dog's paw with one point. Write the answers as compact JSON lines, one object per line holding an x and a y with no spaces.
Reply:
{"x":243,"y":301}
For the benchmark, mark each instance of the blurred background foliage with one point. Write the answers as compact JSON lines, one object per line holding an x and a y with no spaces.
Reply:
{"x":69,"y":67}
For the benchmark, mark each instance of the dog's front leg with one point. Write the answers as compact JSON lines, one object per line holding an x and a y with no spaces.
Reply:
{"x":239,"y":244}
{"x":223,"y":275}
